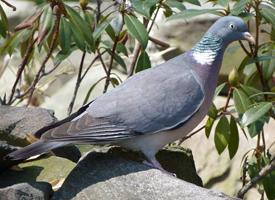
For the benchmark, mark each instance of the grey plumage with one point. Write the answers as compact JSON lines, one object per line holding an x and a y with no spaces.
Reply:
{"x":155,"y":106}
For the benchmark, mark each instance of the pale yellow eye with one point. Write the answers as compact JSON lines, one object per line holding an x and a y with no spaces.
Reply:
{"x":231,"y":26}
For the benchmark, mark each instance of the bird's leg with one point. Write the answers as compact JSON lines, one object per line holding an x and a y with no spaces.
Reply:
{"x":154,"y":163}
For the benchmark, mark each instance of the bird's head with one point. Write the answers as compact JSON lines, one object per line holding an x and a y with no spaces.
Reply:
{"x":231,"y":29}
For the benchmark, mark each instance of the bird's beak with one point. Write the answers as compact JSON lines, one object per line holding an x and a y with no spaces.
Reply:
{"x":247,"y":36}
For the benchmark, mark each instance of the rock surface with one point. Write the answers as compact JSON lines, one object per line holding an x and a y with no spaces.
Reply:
{"x":28,"y":191}
{"x":17,"y":122}
{"x":107,"y":176}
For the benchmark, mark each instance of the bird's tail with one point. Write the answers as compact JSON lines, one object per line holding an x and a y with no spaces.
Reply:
{"x":33,"y":149}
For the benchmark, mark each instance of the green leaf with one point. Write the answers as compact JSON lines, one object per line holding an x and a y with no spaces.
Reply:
{"x":143,"y":7}
{"x":99,"y":29}
{"x":239,"y":7}
{"x":233,"y":143}
{"x":46,"y":24}
{"x":268,"y":14}
{"x":120,"y":48}
{"x":62,"y":55}
{"x":194,"y":2}
{"x":268,"y":66}
{"x":241,"y":101}
{"x":219,"y":89}
{"x":175,"y":4}
{"x":117,"y":24}
{"x":3,"y":22}
{"x":223,"y":3}
{"x":249,"y":91}
{"x":208,"y":126}
{"x":269,"y":185}
{"x":143,"y":62}
{"x":137,"y":30}
{"x":212,"y":111}
{"x":83,"y":28}
{"x":255,"y":113}
{"x":118,"y":59}
{"x":189,"y":13}
{"x":256,"y":127}
{"x":222,"y":134}
{"x":65,"y":34}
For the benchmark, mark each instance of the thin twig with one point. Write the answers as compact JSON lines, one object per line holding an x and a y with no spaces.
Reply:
{"x":78,"y":81}
{"x":138,"y":46}
{"x":9,"y":5}
{"x":91,"y":64}
{"x":43,"y":65}
{"x":107,"y":82}
{"x":159,"y":42}
{"x":134,"y":60}
{"x":21,"y":68}
{"x":264,"y":171}
{"x":190,"y":135}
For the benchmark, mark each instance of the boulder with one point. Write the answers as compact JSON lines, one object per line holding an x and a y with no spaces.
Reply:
{"x":109,"y":176}
{"x":17,"y":122}
{"x":36,"y":190}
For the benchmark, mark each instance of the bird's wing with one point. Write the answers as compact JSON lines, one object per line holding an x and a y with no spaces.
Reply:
{"x":154,"y":100}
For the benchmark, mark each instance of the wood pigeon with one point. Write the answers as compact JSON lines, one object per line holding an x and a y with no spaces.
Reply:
{"x":152,"y":108}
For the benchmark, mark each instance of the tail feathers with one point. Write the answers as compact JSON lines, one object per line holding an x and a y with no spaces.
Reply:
{"x":33,"y":149}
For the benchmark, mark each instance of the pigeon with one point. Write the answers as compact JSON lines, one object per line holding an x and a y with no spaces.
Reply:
{"x":153,"y":107}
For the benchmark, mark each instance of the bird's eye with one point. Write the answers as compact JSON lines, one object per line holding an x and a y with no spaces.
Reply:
{"x":231,"y":26}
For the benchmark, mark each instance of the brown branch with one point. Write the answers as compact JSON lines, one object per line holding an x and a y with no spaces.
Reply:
{"x":134,"y":60}
{"x":138,"y":46}
{"x":264,"y":171}
{"x":9,"y":5}
{"x":190,"y":135}
{"x":91,"y":64}
{"x":159,"y":42}
{"x":40,"y":72}
{"x":21,"y":68}
{"x":228,"y":99}
{"x":244,"y":49}
{"x":78,"y":81}
{"x":107,"y":82}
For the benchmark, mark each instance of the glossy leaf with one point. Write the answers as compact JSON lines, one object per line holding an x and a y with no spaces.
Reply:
{"x":121,"y":49}
{"x":268,"y":14}
{"x":99,"y":29}
{"x":255,"y":113}
{"x":117,"y":24}
{"x":175,"y":4}
{"x":256,"y":127}
{"x":222,"y":134}
{"x":137,"y":30}
{"x":143,"y":7}
{"x":239,"y":7}
{"x":233,"y":143}
{"x":3,"y":22}
{"x":118,"y":59}
{"x":65,"y":34}
{"x":212,"y":111}
{"x":189,"y":13}
{"x":46,"y":24}
{"x":241,"y":100}
{"x":219,"y":89}
{"x":143,"y":62}
{"x":81,"y":26}
{"x":194,"y":2}
{"x":208,"y":126}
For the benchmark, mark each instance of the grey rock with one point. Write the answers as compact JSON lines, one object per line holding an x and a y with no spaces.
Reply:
{"x":17,"y":122}
{"x":34,"y":191}
{"x":109,"y":176}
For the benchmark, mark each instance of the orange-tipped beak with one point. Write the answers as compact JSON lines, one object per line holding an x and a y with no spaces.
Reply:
{"x":249,"y":38}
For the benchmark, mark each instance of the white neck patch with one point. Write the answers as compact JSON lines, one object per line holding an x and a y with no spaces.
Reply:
{"x":204,"y":58}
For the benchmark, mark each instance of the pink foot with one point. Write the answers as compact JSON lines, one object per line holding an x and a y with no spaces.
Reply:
{"x":155,"y":164}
